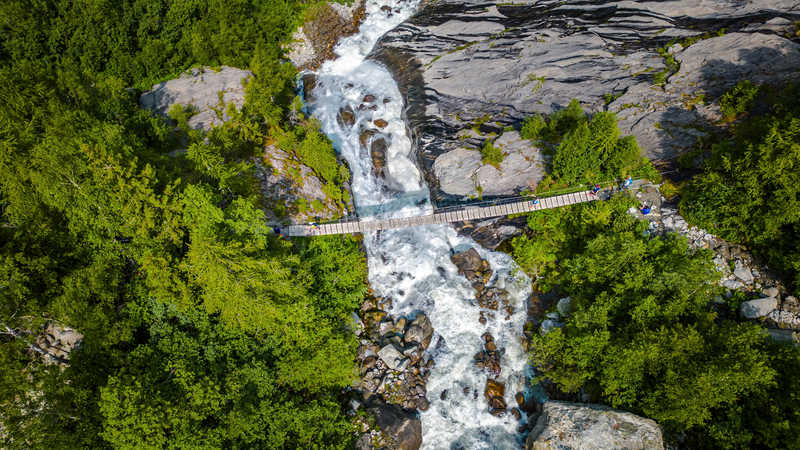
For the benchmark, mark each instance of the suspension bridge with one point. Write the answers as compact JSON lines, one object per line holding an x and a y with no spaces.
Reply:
{"x":446,"y":215}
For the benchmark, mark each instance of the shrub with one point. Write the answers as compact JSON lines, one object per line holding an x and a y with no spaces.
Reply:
{"x":532,"y":127}
{"x":587,"y":150}
{"x":566,"y":119}
{"x":660,"y":78}
{"x":491,"y":154}
{"x":739,"y":99}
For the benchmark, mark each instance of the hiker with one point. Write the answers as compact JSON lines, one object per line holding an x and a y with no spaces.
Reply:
{"x":628,"y":181}
{"x":278,"y":231}
{"x":595,"y":189}
{"x":534,"y":202}
{"x":645,"y":209}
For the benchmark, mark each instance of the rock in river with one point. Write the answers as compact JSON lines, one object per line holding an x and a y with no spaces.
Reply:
{"x":401,"y":425}
{"x":391,"y":357}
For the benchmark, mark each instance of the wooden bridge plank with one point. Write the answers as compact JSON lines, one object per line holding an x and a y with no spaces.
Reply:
{"x":470,"y":214}
{"x":460,"y":215}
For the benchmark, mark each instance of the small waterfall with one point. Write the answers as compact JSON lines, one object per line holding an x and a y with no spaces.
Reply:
{"x":412,"y":266}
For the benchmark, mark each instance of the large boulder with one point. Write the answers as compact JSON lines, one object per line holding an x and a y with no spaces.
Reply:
{"x":460,"y":172}
{"x":420,"y":331}
{"x":204,"y":91}
{"x":754,"y":309}
{"x":392,"y":357}
{"x":468,"y":69}
{"x":474,"y":268}
{"x":403,"y":427}
{"x":565,"y":425}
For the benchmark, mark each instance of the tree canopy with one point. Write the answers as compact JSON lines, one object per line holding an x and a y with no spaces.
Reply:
{"x":749,"y":190}
{"x":201,"y":327}
{"x":587,"y":149}
{"x":643,"y":336}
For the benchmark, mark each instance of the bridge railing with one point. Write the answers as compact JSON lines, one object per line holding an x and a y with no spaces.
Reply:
{"x":352,"y":217}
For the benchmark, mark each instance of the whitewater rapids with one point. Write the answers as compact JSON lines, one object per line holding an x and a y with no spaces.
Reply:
{"x":412,"y":266}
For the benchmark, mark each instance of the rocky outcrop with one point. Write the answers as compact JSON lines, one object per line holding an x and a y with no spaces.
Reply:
{"x":585,"y":426}
{"x":737,"y":267}
{"x":478,"y":272}
{"x":205,"y":92}
{"x":394,"y":369}
{"x":739,"y":270}
{"x":293,"y":193}
{"x":314,"y":42}
{"x":396,"y":428}
{"x":468,"y":69}
{"x":392,"y":356}
{"x":55,"y":343}
{"x":461,"y":173}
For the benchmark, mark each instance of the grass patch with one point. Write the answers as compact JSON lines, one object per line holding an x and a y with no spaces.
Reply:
{"x":491,"y":154}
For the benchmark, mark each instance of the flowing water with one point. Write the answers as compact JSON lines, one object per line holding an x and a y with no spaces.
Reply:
{"x":412,"y":266}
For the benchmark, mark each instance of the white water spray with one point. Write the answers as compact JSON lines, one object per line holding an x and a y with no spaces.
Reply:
{"x":412,"y":266}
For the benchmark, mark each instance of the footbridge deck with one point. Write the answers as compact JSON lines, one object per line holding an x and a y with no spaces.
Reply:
{"x":459,"y":215}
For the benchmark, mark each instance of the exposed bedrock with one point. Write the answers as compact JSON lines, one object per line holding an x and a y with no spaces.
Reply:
{"x":467,"y":69}
{"x":586,"y":426}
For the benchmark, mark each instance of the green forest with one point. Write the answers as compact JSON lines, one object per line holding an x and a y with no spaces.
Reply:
{"x":646,"y":334}
{"x":201,"y":328}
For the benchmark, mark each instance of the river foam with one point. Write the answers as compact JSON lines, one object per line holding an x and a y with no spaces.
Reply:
{"x":412,"y":266}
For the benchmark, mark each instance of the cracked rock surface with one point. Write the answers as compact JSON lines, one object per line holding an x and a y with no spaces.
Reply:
{"x":458,"y":62}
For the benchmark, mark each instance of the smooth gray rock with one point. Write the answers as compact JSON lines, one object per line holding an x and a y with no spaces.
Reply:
{"x":200,"y":90}
{"x":391,"y":357}
{"x":460,"y":172}
{"x":743,"y":272}
{"x":457,"y":62}
{"x":754,"y":309}
{"x":771,"y":292}
{"x":564,"y":306}
{"x":565,"y":425}
{"x":549,"y":325}
{"x":456,"y":170}
{"x":785,"y":336}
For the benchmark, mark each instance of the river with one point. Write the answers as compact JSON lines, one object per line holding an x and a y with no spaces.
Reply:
{"x":412,"y":266}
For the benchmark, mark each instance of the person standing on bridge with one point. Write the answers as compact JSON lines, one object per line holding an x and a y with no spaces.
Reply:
{"x":534,"y":202}
{"x":595,"y":189}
